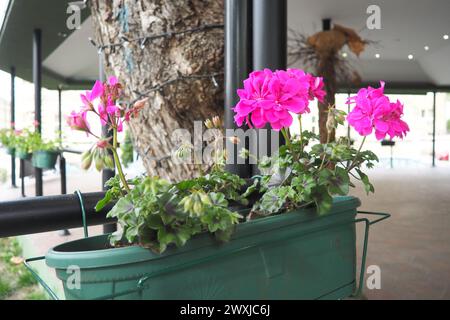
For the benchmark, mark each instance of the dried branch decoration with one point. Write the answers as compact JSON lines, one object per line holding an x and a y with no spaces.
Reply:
{"x":323,"y":47}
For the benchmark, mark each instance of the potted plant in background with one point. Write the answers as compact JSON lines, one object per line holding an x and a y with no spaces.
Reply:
{"x":45,"y":152}
{"x":190,"y":239}
{"x":23,"y":144}
{"x":7,"y":138}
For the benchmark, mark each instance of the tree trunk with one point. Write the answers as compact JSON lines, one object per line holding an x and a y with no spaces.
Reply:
{"x":176,"y":104}
{"x":326,"y":69}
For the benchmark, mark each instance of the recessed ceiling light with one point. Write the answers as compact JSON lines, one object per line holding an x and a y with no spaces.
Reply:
{"x":445,"y":36}
{"x":344,"y":54}
{"x":410,"y":56}
{"x":377,"y":55}
{"x":426,"y":48}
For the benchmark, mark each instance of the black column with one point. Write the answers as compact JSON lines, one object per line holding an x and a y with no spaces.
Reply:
{"x":269,"y":49}
{"x":237,"y":67}
{"x":60,"y":111}
{"x":106,"y":173}
{"x":269,"y":34}
{"x":13,"y":120}
{"x":37,"y":76}
{"x":326,"y":24}
{"x":433,"y":153}
{"x":62,"y":160}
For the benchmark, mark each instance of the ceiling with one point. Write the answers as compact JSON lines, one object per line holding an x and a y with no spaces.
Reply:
{"x":63,"y":63}
{"x":407,"y":26}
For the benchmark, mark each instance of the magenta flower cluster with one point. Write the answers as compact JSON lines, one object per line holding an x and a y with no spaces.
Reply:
{"x":374,"y":111}
{"x":271,"y":97}
{"x":102,"y":100}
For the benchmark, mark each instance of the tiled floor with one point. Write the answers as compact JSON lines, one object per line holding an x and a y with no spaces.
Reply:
{"x":412,"y":248}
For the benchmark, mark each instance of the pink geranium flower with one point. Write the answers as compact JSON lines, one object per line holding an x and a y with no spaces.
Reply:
{"x":271,"y":97}
{"x":89,"y":96}
{"x":316,"y":90}
{"x":374,"y":111}
{"x":104,"y":102}
{"x":387,"y":121}
{"x":103,"y":114}
{"x":253,"y":97}
{"x":77,"y":121}
{"x":112,"y":80}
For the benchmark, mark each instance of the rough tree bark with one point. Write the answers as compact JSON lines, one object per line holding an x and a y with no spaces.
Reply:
{"x":176,"y":105}
{"x":326,"y":69}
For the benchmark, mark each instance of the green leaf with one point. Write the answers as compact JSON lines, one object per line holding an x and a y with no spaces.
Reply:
{"x":339,"y":183}
{"x":368,"y":187}
{"x":131,"y":233}
{"x":218,"y":199}
{"x":183,"y":235}
{"x":274,"y":200}
{"x":165,"y":238}
{"x":224,"y":235}
{"x":103,"y":202}
{"x":154,"y":221}
{"x":122,"y":207}
{"x":323,"y":200}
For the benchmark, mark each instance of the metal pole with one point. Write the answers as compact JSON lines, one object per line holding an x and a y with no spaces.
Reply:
{"x":106,"y":173}
{"x":434,"y":130}
{"x":37,"y":77}
{"x":62,"y":160}
{"x":348,"y":125}
{"x":269,"y":49}
{"x":50,"y":213}
{"x":22,"y":177}
{"x":326,"y":24}
{"x":13,"y":120}
{"x":60,"y":112}
{"x":269,"y":34}
{"x":237,"y":68}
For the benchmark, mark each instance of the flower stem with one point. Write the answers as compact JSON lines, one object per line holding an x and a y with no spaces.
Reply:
{"x":288,"y":140}
{"x":301,"y":133}
{"x":356,"y":155}
{"x":324,"y":154}
{"x":117,"y":162}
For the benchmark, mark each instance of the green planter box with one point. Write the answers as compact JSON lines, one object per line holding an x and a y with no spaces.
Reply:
{"x":297,"y":255}
{"x":23,"y":154}
{"x":44,"y":159}
{"x":10,"y":151}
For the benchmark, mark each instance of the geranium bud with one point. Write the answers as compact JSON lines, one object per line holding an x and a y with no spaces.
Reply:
{"x":86,"y":154}
{"x":209,"y":124}
{"x":138,"y":105}
{"x":102,"y":144}
{"x":186,"y":202}
{"x":197,"y":208}
{"x":234,"y":140}
{"x":217,"y":122}
{"x":86,"y":162}
{"x":204,"y":198}
{"x":331,"y":121}
{"x":109,"y":162}
{"x":244,"y":153}
{"x":99,"y":163}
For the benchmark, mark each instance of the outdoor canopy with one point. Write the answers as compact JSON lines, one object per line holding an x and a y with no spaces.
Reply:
{"x":71,"y":60}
